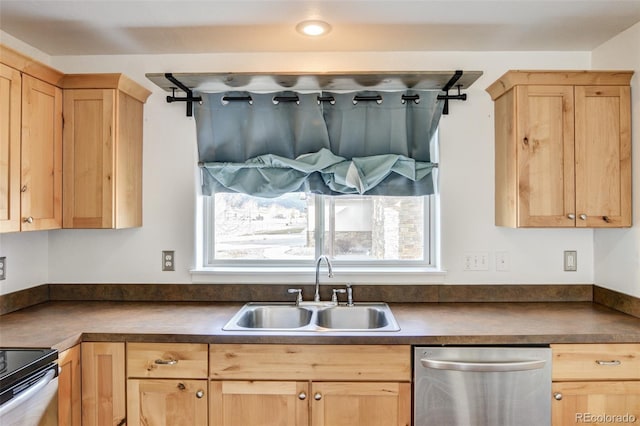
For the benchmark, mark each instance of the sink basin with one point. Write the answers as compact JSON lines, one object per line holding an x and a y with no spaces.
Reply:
{"x":313,"y":317}
{"x":353,"y":317}
{"x":274,"y":317}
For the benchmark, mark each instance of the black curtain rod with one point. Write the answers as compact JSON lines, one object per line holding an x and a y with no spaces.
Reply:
{"x":459,"y":97}
{"x":189,"y":99}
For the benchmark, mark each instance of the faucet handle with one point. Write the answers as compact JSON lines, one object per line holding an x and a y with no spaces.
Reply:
{"x":349,"y":295}
{"x":296,"y":290}
{"x":334,"y":297}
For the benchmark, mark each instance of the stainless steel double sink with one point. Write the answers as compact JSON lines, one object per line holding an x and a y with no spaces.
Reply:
{"x":313,"y":317}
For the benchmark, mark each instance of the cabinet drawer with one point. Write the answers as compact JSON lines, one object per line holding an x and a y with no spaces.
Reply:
{"x":596,"y":362}
{"x":167,"y":360}
{"x":311,"y":362}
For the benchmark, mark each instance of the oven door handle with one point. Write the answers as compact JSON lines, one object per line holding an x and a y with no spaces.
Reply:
{"x":489,"y":366}
{"x":29,"y":393}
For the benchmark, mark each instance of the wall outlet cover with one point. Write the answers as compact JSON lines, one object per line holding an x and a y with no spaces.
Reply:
{"x":168,"y":260}
{"x":570,"y":260}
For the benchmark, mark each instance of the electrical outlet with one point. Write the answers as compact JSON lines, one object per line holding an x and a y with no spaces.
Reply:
{"x":168,"y":260}
{"x":478,"y":261}
{"x":502,"y":261}
{"x":570,"y":260}
{"x":3,"y":268}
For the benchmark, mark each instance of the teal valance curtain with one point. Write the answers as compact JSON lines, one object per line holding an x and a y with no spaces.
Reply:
{"x":340,"y":144}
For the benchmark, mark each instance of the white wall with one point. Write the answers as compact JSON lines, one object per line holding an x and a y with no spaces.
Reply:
{"x":617,"y":251}
{"x":170,"y":177}
{"x":466,"y":172}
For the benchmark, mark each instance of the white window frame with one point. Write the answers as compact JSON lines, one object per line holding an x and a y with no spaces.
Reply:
{"x":302,"y":271}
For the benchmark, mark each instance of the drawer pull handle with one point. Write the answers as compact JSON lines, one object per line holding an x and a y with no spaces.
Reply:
{"x":612,"y":362}
{"x":166,"y":361}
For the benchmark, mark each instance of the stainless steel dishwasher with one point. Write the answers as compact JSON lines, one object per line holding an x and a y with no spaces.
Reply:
{"x":482,"y":386}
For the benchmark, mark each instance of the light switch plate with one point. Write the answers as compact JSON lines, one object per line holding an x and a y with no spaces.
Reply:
{"x":570,"y":260}
{"x":476,"y":261}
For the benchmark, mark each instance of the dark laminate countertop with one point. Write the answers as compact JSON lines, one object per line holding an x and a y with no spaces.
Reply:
{"x":63,"y":324}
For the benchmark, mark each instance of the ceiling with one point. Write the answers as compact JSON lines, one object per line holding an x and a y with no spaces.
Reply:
{"x":99,"y":27}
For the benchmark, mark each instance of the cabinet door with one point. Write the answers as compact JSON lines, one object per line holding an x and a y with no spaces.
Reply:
{"x":360,"y":404}
{"x":89,"y":137}
{"x":545,"y":151}
{"x":41,"y":155}
{"x":242,"y":403}
{"x":10,"y":101}
{"x":69,"y":391}
{"x":168,"y":402}
{"x":579,"y":403}
{"x":128,"y":184}
{"x":103,"y":384}
{"x":603,"y":156}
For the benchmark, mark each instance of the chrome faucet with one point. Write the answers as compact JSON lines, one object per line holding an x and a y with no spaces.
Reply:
{"x":316,"y":297}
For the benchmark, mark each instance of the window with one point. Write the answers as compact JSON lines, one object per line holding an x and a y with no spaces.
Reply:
{"x":296,"y":228}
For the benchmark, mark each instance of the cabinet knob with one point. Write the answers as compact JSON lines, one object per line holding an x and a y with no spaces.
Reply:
{"x":302,"y":396}
{"x":557,"y":396}
{"x":23,"y":188}
{"x":583,"y":216}
{"x":199,"y":394}
{"x":28,"y":219}
{"x":317,"y":396}
{"x":571,"y":216}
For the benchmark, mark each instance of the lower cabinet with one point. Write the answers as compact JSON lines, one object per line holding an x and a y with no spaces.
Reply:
{"x":167,"y":384}
{"x":103,"y":384}
{"x":355,"y":403}
{"x":315,"y":385}
{"x":595,"y":384}
{"x":69,"y":387}
{"x":240,"y":403}
{"x":578,"y":403}
{"x":167,"y":402}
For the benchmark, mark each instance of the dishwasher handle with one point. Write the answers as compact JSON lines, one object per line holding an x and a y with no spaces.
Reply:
{"x":483,"y":366}
{"x":29,"y":392}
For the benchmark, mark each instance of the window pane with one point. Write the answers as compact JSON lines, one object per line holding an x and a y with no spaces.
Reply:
{"x":255,"y":228}
{"x":375,"y":228}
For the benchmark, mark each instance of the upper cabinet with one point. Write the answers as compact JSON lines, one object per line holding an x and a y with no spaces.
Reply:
{"x":562,"y":148}
{"x":30,"y":144}
{"x":10,"y":104}
{"x":70,"y":148}
{"x":102,"y":138}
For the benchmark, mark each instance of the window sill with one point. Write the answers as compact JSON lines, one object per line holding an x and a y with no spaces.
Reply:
{"x":302,"y":275}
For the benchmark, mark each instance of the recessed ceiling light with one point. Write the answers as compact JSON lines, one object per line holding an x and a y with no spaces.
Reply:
{"x":313,"y":28}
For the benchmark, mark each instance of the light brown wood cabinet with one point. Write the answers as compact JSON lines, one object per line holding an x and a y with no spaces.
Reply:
{"x":316,"y":385}
{"x":562,"y":148}
{"x":595,"y":384}
{"x":30,"y":145}
{"x":167,"y":384}
{"x":69,"y":388}
{"x":103,"y":120}
{"x":10,"y":110}
{"x":103,"y":384}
